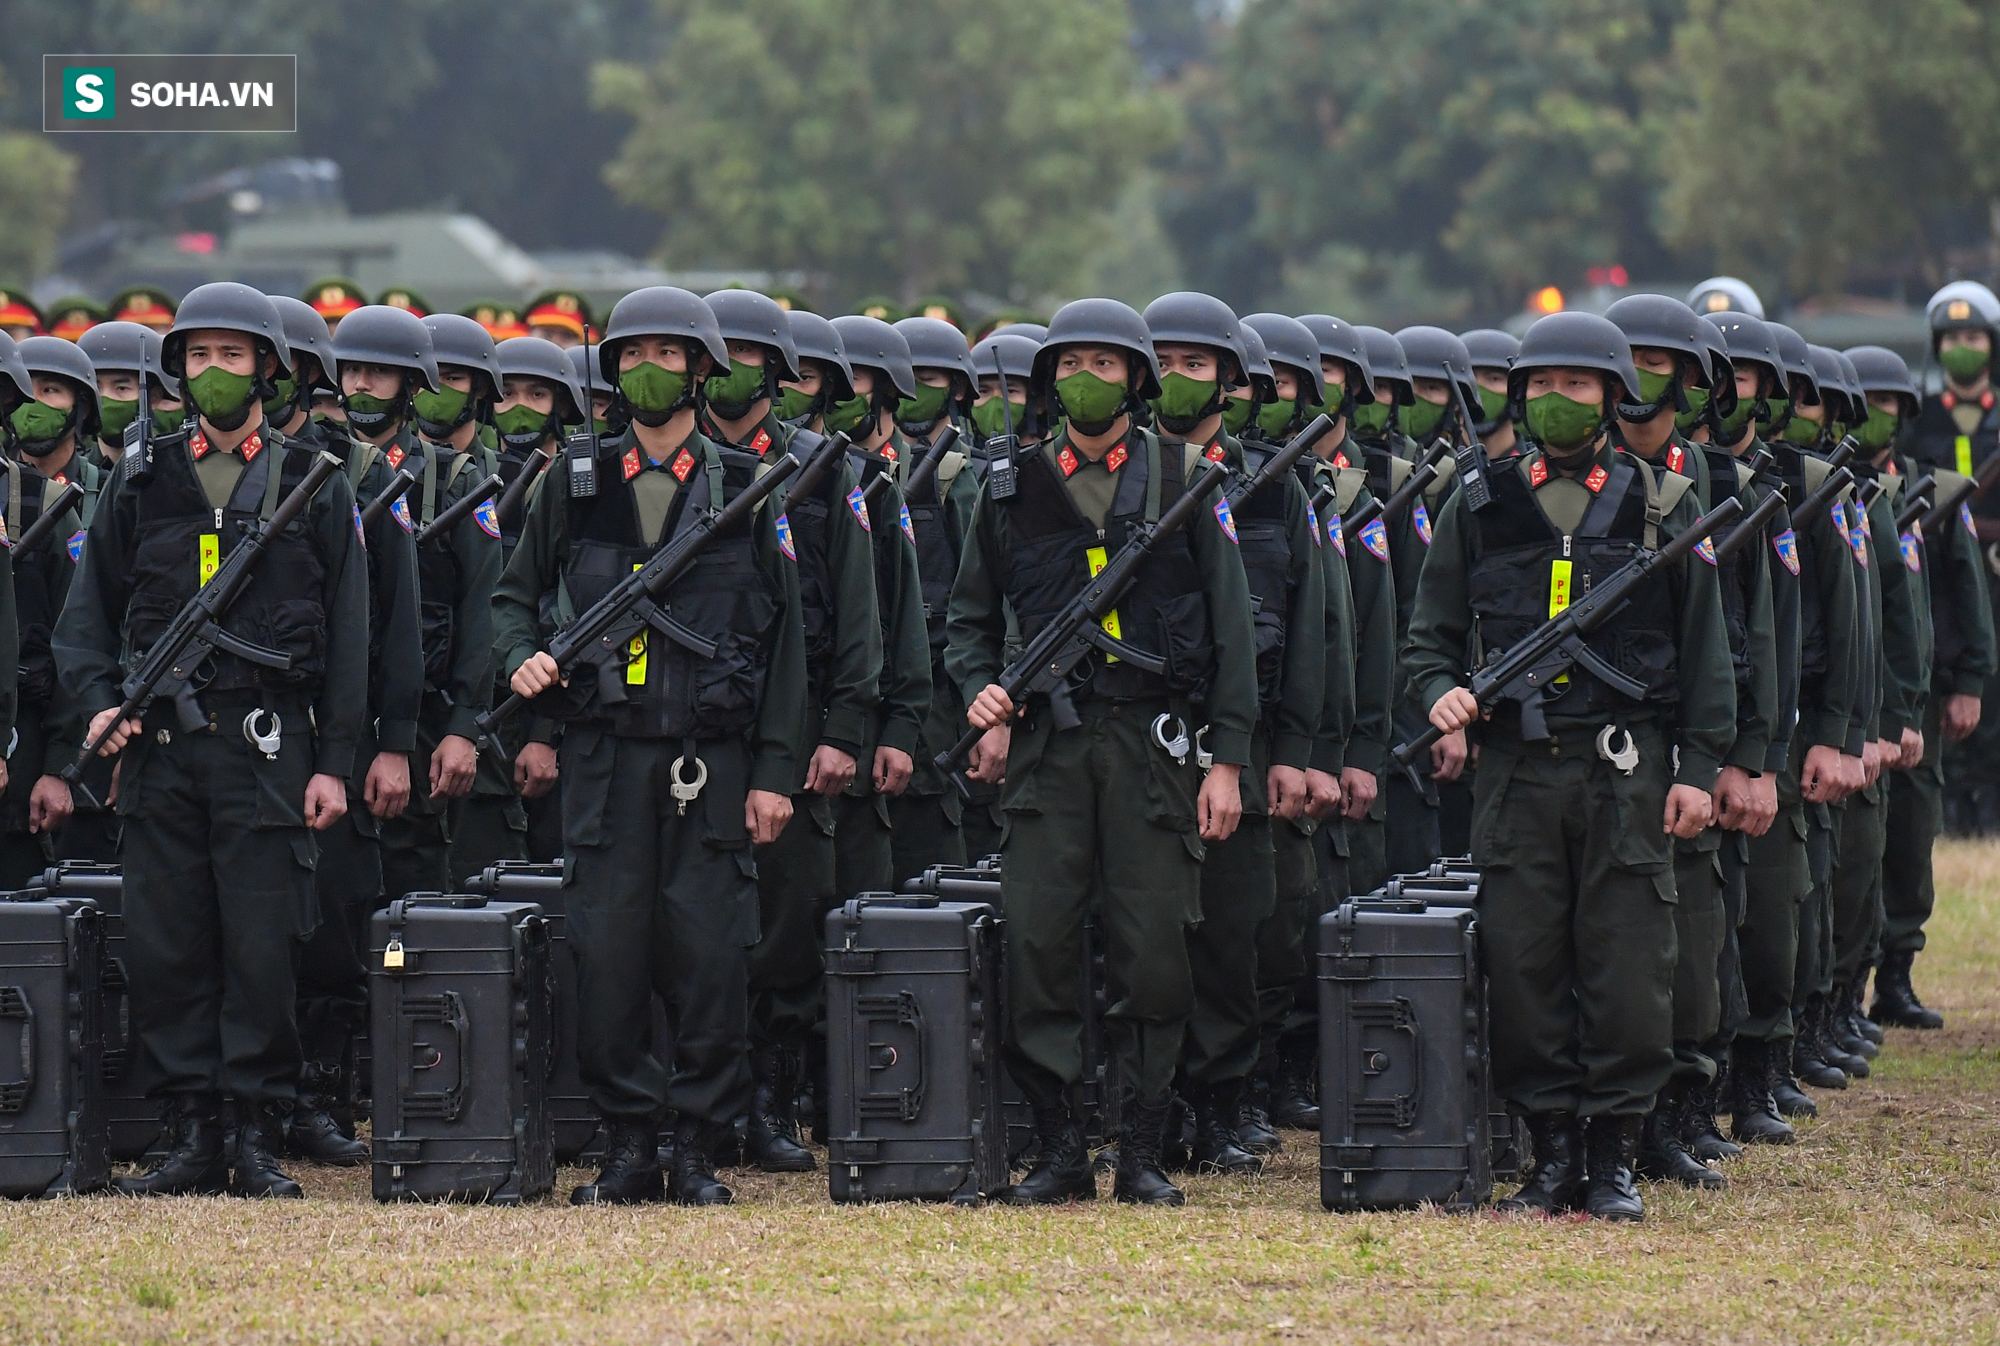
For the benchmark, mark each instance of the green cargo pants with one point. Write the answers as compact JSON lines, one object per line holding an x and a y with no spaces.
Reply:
{"x":1916,"y":815}
{"x":795,"y":890}
{"x":1857,"y":884}
{"x":1777,"y":882}
{"x":1699,"y":917}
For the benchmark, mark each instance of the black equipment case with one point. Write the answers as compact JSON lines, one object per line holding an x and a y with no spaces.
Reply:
{"x":1403,"y":1058}
{"x":460,"y":1004}
{"x":913,"y":1050}
{"x":52,"y":1136}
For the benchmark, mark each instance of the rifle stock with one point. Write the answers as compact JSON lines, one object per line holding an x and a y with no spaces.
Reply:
{"x":398,"y":486}
{"x":461,"y":507}
{"x":921,"y":474}
{"x":37,"y":532}
{"x":1918,"y":501}
{"x":524,"y":481}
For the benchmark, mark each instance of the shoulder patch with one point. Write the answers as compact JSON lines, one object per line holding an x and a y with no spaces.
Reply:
{"x":908,"y":531}
{"x":1312,"y":522}
{"x":400,"y":507}
{"x":1224,"y":517}
{"x":1786,"y":544}
{"x":859,"y":504}
{"x":1376,"y":539}
{"x":484,"y":516}
{"x":785,"y":539}
{"x":1913,"y":552}
{"x":1965,"y":517}
{"x":76,"y":544}
{"x":1420,"y":519}
{"x":1705,"y":549}
{"x":358,"y":532}
{"x":1336,"y":533}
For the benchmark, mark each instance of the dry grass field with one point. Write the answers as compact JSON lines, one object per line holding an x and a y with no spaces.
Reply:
{"x":1882,"y":1224}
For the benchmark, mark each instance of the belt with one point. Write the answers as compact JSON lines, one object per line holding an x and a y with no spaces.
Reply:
{"x":1570,"y":739}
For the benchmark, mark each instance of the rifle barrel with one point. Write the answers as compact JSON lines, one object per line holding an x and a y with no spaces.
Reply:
{"x":33,"y":536}
{"x":461,"y":507}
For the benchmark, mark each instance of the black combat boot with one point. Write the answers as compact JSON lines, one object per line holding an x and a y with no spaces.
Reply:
{"x":1663,"y":1154}
{"x":1254,"y":1131}
{"x":1830,"y":1051}
{"x":1754,"y":1118}
{"x":1061,"y":1171}
{"x":1294,"y":1103}
{"x":1555,"y":1184}
{"x":1791,"y":1100}
{"x":1141,"y":1181}
{"x":1216,"y":1150}
{"x":771,"y":1141}
{"x":1844,"y":1027}
{"x":253,"y":1164}
{"x":1809,"y":1066}
{"x":195,"y":1162}
{"x":1896,"y":1004}
{"x":1863,"y":1026}
{"x":1699,"y":1133}
{"x":313,"y":1134}
{"x":1177,"y":1133}
{"x":631,"y":1167}
{"x":1610,"y":1146}
{"x":695,"y":1182}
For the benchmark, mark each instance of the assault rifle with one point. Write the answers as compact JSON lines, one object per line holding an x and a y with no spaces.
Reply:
{"x":37,"y":532}
{"x":523,"y":482}
{"x":1527,"y":670}
{"x":398,"y":486}
{"x":1421,"y":476}
{"x":1281,"y":462}
{"x":171,"y":663}
{"x":1837,"y":480}
{"x":1960,"y":494}
{"x":461,"y":507}
{"x":1919,"y":498}
{"x":920,"y":475}
{"x":1045,"y":665}
{"x":602,"y":631}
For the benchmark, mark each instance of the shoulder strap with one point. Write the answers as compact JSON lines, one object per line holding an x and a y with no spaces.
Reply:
{"x":361,"y":456}
{"x":1347,"y":485}
{"x":1672,"y":490}
{"x":13,"y":497}
{"x":1399,"y":472}
{"x":1744,"y":476}
{"x":949,"y":467}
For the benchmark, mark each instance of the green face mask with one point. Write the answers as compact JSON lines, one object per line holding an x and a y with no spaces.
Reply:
{"x":991,"y":416}
{"x":1492,"y":405}
{"x":731,"y":394}
{"x":1372,"y":418}
{"x":219,"y":393}
{"x":794,"y":403}
{"x":1697,"y":404}
{"x":1655,"y":388}
{"x":845,"y":416}
{"x":925,"y":407}
{"x":1088,"y":400}
{"x":519,"y":420}
{"x":36,"y":421}
{"x":1235,"y":414}
{"x":1963,"y":363}
{"x":1801,"y":431}
{"x":1182,"y":399}
{"x":439,"y":408}
{"x":648,"y":387}
{"x":364,"y":404}
{"x":1561,"y":425}
{"x":1421,"y":417}
{"x":276,"y":403}
{"x":169,"y":419}
{"x":1776,"y":409}
{"x":114,"y":415}
{"x":1275,"y":418}
{"x":1878,"y":431}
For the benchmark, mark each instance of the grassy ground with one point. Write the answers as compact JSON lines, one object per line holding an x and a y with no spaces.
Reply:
{"x":1883,"y":1223}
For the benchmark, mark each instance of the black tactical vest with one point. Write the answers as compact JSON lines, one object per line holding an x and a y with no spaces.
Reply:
{"x":1264,"y":537}
{"x":726,"y":599}
{"x":1736,"y":579}
{"x":438,"y":566}
{"x":1515,"y":550}
{"x":1165,"y":613}
{"x":37,"y":578}
{"x":937,"y":553}
{"x":368,"y":475}
{"x":809,"y":521}
{"x":1933,"y":442}
{"x":284,"y":607}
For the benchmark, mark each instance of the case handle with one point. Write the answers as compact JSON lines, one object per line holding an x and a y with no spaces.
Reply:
{"x":904,"y":1010}
{"x":1398,"y":1016}
{"x":447,"y":1010}
{"x":14,"y":1005}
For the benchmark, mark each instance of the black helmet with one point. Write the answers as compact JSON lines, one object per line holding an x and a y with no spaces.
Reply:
{"x":126,"y":346}
{"x":1035,"y":331}
{"x":1749,"y":340}
{"x":17,"y":374}
{"x":540,"y":358}
{"x":877,"y":345}
{"x":662,"y":311}
{"x":1725,"y":294}
{"x":1877,"y":369}
{"x":1491,"y":348}
{"x":1263,"y":383}
{"x":1831,"y":377}
{"x":1963,"y":304}
{"x":1099,"y":322}
{"x":745,"y":315}
{"x":1386,"y":362}
{"x":458,"y":340}
{"x":1341,"y":341}
{"x":232,"y":307}
{"x":1288,"y":340}
{"x":60,"y":356}
{"x":1665,"y":323}
{"x":814,"y":338}
{"x":1016,"y":354}
{"x":936,"y":344}
{"x":1434,"y":353}
{"x":1721,"y":369}
{"x":1196,"y":319}
{"x":306,"y":334}
{"x":1575,"y":340}
{"x":1795,"y":360}
{"x":377,"y":334}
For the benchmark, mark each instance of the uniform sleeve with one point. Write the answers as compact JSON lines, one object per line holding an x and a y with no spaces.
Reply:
{"x":1232,"y":692}
{"x":1905,"y":655}
{"x":1867,"y":707}
{"x":1375,"y":658}
{"x":1441,"y":617}
{"x":1972,"y":607}
{"x":1833,"y":574}
{"x":906,"y":698}
{"x":471,"y":675}
{"x":530,"y":573}
{"x":88,"y":638}
{"x":774,"y":764}
{"x":976,"y":628}
{"x":1784,"y":589}
{"x":1758,"y":727}
{"x":1302,"y":698}
{"x":857,"y":632}
{"x":1705,"y":671}
{"x":65,"y":726}
{"x":342,"y":703}
{"x":1336,"y":721}
{"x":399,"y":677}
{"x":10,"y":651}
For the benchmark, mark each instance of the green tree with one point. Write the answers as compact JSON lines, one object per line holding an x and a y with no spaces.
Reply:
{"x":36,"y":179}
{"x":899,"y":145}
{"x":1817,"y":135}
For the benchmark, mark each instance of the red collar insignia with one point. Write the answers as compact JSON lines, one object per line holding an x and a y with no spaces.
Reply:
{"x":395,"y":455}
{"x":61,"y":479}
{"x":889,"y":451}
{"x":1340,"y":458}
{"x":1538,"y":472}
{"x":1115,"y":459}
{"x":1950,"y":400}
{"x":760,"y":442}
{"x":1596,"y":478}
{"x":1676,"y":457}
{"x":1214,"y":452}
{"x":630,"y":462}
{"x":683,"y":464}
{"x":1067,"y":459}
{"x":199,"y":446}
{"x":252,"y":446}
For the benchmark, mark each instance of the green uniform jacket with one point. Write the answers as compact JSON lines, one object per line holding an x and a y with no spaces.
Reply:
{"x":63,"y":727}
{"x":1441,"y":631}
{"x":1336,"y":721}
{"x":536,"y":568}
{"x":976,"y":653}
{"x":1956,"y":575}
{"x":1294,"y":721}
{"x":89,"y":638}
{"x":1372,"y":580}
{"x":396,"y":681}
{"x":448,"y":476}
{"x":906,"y":641}
{"x":959,"y":483}
{"x":1903,"y":672}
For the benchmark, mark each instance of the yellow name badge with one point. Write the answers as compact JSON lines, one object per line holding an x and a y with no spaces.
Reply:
{"x":1558,"y":586}
{"x":211,"y":555}
{"x":1098,"y":561}
{"x":635,"y":659}
{"x":1963,"y":444}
